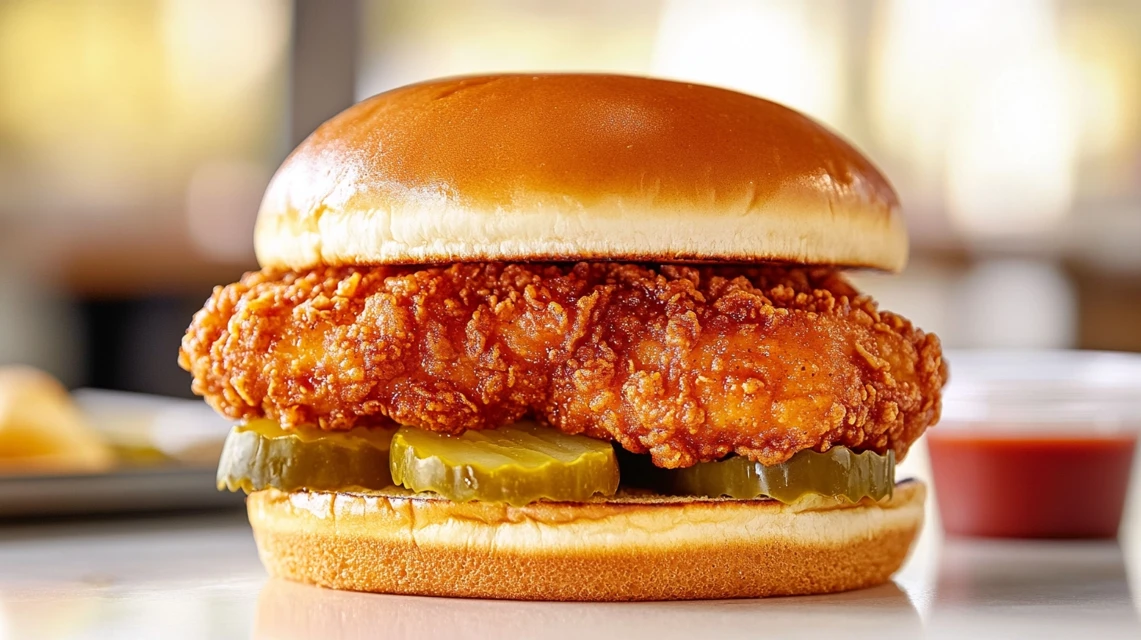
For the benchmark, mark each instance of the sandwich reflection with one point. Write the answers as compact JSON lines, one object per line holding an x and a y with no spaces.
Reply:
{"x":288,"y":610}
{"x":1005,"y":587}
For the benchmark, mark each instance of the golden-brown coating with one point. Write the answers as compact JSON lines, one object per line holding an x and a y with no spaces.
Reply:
{"x":686,"y":363}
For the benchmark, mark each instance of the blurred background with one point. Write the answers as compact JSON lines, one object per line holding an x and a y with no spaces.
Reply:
{"x":136,"y":137}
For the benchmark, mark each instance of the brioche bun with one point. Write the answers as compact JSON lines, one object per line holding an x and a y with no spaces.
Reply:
{"x":654,"y":548}
{"x":576,"y":167}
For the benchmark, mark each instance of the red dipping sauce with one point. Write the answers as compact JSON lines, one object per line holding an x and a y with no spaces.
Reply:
{"x":1047,"y":487}
{"x":1036,"y":444}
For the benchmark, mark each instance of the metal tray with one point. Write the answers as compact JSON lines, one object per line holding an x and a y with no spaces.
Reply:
{"x":162,"y":488}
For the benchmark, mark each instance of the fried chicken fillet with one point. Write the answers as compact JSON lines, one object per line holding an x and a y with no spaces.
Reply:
{"x":688,"y":364}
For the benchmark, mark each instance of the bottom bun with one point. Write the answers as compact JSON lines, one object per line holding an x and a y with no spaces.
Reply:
{"x":625,"y":548}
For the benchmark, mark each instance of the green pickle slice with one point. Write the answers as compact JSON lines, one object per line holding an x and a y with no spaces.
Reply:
{"x":260,"y":454}
{"x":521,"y":463}
{"x":516,"y":464}
{"x":836,"y":473}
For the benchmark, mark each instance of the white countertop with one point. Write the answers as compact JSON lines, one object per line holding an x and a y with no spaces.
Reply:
{"x":186,"y":576}
{"x":199,"y":577}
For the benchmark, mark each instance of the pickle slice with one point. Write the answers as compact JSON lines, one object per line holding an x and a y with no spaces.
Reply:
{"x":838,"y":473}
{"x":516,"y":464}
{"x":260,"y":454}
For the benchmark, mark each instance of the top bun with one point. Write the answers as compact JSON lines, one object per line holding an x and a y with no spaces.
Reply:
{"x":576,"y":167}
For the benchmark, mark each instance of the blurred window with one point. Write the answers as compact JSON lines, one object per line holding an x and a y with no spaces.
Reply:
{"x":140,"y":123}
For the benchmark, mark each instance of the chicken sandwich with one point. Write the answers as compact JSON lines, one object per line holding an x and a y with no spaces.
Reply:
{"x":571,"y":337}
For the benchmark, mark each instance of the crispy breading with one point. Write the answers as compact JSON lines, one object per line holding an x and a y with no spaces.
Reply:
{"x":687,"y":363}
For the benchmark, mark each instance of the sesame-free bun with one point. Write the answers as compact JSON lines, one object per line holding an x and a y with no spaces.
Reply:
{"x":576,"y":167}
{"x":615,"y":549}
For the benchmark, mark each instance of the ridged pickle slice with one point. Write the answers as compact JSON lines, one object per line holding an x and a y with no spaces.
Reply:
{"x":516,"y":464}
{"x":260,"y":454}
{"x":837,"y":473}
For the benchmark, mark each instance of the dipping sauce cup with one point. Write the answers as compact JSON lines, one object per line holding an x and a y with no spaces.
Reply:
{"x":1036,"y":444}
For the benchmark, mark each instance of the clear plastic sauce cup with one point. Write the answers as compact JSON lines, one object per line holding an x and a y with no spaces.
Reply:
{"x":1036,"y":444}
